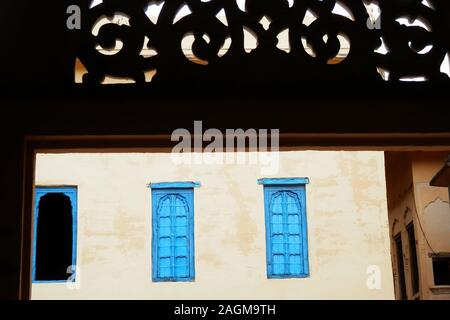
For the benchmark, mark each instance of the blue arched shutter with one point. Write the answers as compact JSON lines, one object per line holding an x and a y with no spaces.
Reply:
{"x":286,"y":229}
{"x":173,"y":234}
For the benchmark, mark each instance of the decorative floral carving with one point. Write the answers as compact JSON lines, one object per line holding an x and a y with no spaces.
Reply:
{"x":208,"y":40}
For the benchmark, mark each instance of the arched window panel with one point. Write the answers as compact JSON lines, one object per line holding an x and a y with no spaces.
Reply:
{"x":286,"y":227}
{"x":173,"y":232}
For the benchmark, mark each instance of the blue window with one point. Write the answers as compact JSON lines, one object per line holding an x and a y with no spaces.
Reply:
{"x":173,"y":231}
{"x":286,"y":227}
{"x":55,"y":234}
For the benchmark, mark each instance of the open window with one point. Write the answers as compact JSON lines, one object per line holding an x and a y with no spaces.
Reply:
{"x":54,"y":241}
{"x":413,"y":259}
{"x":441,"y":271}
{"x":400,"y":267}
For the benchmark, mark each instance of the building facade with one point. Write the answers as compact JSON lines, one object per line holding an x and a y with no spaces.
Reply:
{"x":419,"y":220}
{"x":344,"y":227}
{"x":355,"y":78}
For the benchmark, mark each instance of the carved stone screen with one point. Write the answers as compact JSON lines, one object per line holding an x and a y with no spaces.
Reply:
{"x":276,"y":40}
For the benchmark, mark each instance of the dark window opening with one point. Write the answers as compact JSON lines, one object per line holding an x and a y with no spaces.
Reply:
{"x":400,"y":268}
{"x":53,"y":237}
{"x":441,"y":270}
{"x":413,"y":259}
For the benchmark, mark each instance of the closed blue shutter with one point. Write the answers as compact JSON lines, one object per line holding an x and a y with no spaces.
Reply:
{"x":286,"y":234}
{"x":173,"y":235}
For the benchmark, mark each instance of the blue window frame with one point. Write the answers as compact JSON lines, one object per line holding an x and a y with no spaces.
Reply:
{"x":54,"y":235}
{"x":286,"y":227}
{"x":173,"y":231}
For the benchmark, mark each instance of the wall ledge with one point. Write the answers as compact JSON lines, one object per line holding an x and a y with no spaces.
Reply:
{"x":438,"y":290}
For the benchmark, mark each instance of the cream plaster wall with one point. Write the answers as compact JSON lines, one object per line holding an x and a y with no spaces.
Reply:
{"x":347,"y":226}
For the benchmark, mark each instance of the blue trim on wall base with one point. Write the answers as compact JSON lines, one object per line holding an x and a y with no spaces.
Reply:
{"x":287,"y":277}
{"x":174,"y":185}
{"x":283,"y":181}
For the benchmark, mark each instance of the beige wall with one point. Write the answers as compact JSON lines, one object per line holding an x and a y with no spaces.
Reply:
{"x":412,"y":199}
{"x":346,"y":213}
